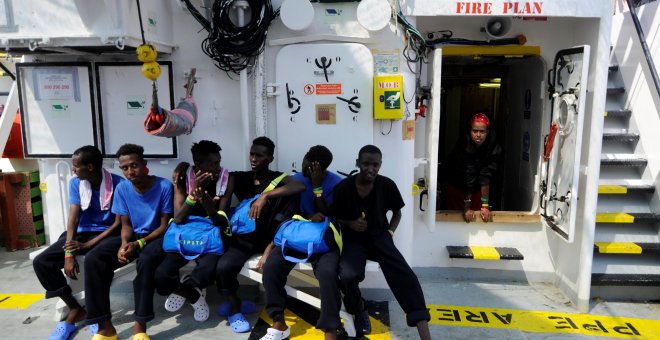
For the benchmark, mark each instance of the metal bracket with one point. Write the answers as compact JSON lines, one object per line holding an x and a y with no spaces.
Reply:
{"x":272,"y":89}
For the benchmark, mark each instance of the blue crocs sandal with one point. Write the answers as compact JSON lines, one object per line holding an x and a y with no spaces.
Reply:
{"x":63,"y":331}
{"x":247,"y":307}
{"x":93,"y":329}
{"x":238,"y":323}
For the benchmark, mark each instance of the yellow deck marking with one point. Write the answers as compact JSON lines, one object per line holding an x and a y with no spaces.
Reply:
{"x":484,"y":253}
{"x":612,"y":189}
{"x":614,"y":218}
{"x":618,"y":248}
{"x":18,"y":301}
{"x":545,"y":322}
{"x":301,"y":329}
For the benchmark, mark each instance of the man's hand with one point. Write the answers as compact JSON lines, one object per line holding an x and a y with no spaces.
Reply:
{"x":74,"y":245}
{"x":125,"y":254}
{"x":316,"y":174}
{"x":318,"y":217}
{"x":486,"y":215}
{"x":359,"y":225}
{"x":469,"y":216}
{"x":257,"y":205}
{"x":202,"y":179}
{"x":71,"y":268}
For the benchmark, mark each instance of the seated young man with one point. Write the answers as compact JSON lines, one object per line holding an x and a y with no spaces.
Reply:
{"x":360,"y":205}
{"x":144,"y":205}
{"x":269,"y":210}
{"x":314,"y":205}
{"x":91,"y":223}
{"x":199,"y":190}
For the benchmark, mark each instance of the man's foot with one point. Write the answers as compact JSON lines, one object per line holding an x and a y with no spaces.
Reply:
{"x":174,"y":302}
{"x":63,"y":331}
{"x":275,"y":334}
{"x":76,"y":315}
{"x":201,"y":307}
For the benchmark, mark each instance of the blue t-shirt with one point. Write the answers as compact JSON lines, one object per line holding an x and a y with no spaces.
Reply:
{"x":93,"y":219}
{"x":307,"y":206}
{"x":144,"y":210}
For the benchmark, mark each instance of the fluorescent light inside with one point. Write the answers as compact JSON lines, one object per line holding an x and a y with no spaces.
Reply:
{"x":489,"y":85}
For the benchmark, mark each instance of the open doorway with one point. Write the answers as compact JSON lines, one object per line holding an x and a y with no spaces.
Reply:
{"x":510,"y":92}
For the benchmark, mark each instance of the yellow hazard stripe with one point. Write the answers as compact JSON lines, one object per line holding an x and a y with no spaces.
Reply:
{"x":614,"y":218}
{"x":301,"y":329}
{"x":545,"y":322}
{"x":618,"y":248}
{"x":484,"y":253}
{"x":612,"y":189}
{"x":18,"y":301}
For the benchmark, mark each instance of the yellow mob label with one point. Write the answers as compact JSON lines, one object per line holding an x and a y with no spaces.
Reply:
{"x":618,"y":248}
{"x":612,"y":189}
{"x":614,"y":218}
{"x":18,"y":301}
{"x":545,"y":322}
{"x":485,"y":253}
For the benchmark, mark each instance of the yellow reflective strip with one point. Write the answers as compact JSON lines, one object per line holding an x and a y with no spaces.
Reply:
{"x":605,"y":113}
{"x":484,"y":253}
{"x":18,"y":301}
{"x":545,"y":322}
{"x":338,"y":238}
{"x":614,"y":218}
{"x":618,"y":248}
{"x":612,"y":189}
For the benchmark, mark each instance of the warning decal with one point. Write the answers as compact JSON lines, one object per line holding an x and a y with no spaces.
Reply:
{"x":328,"y":89}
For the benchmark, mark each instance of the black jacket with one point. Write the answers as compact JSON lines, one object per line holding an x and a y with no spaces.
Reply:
{"x":470,"y":166}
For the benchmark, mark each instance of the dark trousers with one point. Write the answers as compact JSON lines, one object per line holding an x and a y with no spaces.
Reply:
{"x":167,"y":274}
{"x":399,"y":276}
{"x":325,"y":267}
{"x":240,"y":249}
{"x":144,"y":284}
{"x":48,"y":266}
{"x":100,"y":265}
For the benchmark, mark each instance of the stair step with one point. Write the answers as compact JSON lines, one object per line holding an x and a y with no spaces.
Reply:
{"x":602,"y":279}
{"x":618,"y":113}
{"x":626,"y":248}
{"x":616,"y":90}
{"x":623,"y":217}
{"x":622,"y":160}
{"x":484,"y":253}
{"x":623,"y":188}
{"x":613,"y":68}
{"x":621,"y":137}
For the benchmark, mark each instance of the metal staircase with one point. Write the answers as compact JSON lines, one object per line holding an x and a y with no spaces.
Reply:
{"x":627,"y":249}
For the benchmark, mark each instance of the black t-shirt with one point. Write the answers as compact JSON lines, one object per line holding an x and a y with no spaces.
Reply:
{"x":244,"y":186}
{"x":269,"y":219}
{"x":348,"y":205}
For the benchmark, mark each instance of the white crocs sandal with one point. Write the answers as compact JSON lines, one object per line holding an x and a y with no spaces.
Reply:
{"x":274,"y":334}
{"x":174,"y":302}
{"x":201,"y":308}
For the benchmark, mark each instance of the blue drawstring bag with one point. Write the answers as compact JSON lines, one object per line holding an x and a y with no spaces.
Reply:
{"x":239,"y":221}
{"x":306,"y":237}
{"x":192,"y":239}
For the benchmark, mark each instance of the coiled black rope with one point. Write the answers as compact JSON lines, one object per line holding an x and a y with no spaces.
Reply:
{"x":234,"y":48}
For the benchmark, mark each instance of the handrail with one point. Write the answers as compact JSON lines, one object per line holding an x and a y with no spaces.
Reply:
{"x":645,"y":47}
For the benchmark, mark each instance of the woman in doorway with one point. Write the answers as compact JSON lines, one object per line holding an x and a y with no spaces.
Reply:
{"x":473,"y":163}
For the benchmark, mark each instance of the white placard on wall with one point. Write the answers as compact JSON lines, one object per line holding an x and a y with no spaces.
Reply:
{"x":57,"y":106}
{"x":125,"y":97}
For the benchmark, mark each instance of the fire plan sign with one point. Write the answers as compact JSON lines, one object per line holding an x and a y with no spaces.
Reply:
{"x":500,"y":8}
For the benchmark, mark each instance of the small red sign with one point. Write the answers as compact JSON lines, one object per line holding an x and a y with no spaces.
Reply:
{"x":309,"y":89}
{"x":328,"y":88}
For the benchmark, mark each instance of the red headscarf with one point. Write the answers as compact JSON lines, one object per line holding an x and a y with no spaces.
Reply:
{"x":480,"y":118}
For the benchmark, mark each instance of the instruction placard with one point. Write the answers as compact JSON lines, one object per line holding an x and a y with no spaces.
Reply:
{"x":326,"y":113}
{"x":328,"y":89}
